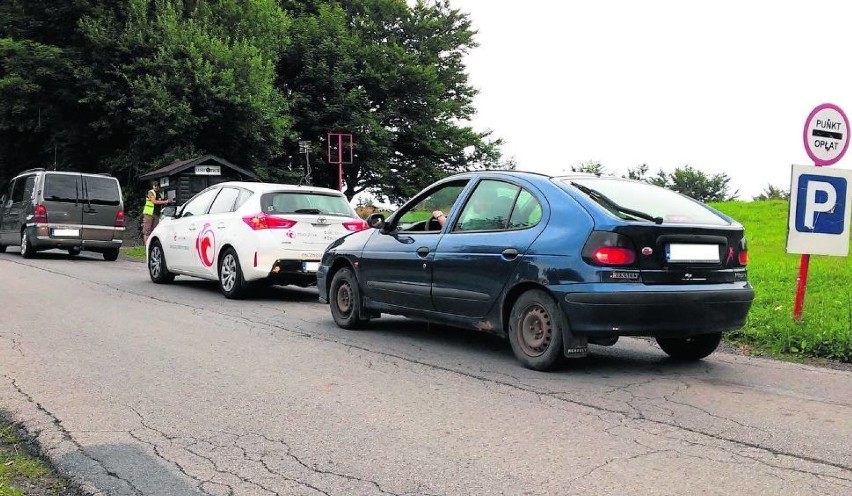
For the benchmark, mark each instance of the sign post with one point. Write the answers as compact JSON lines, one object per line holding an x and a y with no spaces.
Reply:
{"x":340,"y":152}
{"x":815,"y":209}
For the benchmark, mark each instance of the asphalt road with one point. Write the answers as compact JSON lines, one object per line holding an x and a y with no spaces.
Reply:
{"x":136,"y":388}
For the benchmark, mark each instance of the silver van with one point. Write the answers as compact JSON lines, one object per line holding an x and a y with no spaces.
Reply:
{"x":41,"y":210}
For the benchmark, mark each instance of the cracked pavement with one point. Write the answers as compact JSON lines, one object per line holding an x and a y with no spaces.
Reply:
{"x":137,"y":389}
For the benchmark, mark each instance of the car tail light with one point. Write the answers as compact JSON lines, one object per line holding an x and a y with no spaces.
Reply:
{"x":119,"y":218}
{"x":609,"y":249}
{"x":613,"y":255}
{"x":266,"y":221}
{"x":355,"y":225}
{"x":742,"y":257}
{"x":40,"y":214}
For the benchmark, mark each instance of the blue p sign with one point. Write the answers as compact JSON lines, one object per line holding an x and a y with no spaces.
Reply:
{"x":822,"y":203}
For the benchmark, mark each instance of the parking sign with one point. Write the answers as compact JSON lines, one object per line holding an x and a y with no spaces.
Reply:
{"x":820,"y":203}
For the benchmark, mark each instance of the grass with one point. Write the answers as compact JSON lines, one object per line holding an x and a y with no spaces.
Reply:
{"x":825,"y":330}
{"x":135,"y":252}
{"x":21,"y":473}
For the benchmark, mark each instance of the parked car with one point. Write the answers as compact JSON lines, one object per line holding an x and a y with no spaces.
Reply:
{"x":245,"y":234}
{"x":42,"y":210}
{"x":552,"y":263}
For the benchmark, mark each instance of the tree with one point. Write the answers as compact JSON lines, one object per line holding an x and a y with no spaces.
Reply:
{"x":393,"y":76}
{"x":638,"y":173}
{"x":696,"y":184}
{"x":590,"y":167}
{"x":772,"y":192}
{"x":175,"y":78}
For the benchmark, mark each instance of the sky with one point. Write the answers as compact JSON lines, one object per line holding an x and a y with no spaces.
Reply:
{"x":723,"y":86}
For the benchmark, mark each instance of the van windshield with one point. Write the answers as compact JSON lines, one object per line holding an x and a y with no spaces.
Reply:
{"x":61,"y":188}
{"x":102,"y":191}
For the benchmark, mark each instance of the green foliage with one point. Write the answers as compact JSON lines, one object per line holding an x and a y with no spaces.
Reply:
{"x":124,"y":87}
{"x":638,"y":173}
{"x":696,"y":184}
{"x":772,"y":192}
{"x":825,"y":330}
{"x":590,"y":167}
{"x":172,"y":78}
{"x":393,"y":76}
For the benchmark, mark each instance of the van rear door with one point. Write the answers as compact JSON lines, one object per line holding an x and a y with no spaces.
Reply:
{"x":101,"y":207}
{"x":63,"y":193}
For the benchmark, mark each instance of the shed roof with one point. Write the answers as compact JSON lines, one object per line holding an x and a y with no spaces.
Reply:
{"x":177,"y":167}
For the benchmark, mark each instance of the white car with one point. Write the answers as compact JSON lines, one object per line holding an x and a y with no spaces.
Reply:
{"x":240,"y":233}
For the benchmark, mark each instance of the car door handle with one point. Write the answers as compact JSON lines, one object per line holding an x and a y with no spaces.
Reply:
{"x":220,"y":225}
{"x":422,"y":252}
{"x":192,"y":227}
{"x":509,"y":253}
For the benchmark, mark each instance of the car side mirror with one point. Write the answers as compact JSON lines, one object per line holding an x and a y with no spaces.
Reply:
{"x":376,"y":221}
{"x":169,"y":212}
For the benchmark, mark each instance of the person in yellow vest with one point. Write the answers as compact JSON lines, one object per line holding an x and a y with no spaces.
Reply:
{"x":154,"y":201}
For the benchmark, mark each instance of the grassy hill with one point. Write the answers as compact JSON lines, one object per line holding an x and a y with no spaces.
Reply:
{"x":826,"y":326}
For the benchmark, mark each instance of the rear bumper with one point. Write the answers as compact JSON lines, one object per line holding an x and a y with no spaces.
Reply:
{"x":41,"y":239}
{"x":660,"y":312}
{"x":284,"y":271}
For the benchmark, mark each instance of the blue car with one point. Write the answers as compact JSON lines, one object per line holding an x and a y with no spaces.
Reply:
{"x":552,"y":263}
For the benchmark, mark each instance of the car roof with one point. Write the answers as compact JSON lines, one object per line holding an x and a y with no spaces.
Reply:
{"x":267,"y":187}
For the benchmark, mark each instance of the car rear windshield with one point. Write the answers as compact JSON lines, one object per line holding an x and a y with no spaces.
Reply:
{"x":62,"y":187}
{"x":102,"y":191}
{"x":305,"y":203}
{"x":649,"y":199}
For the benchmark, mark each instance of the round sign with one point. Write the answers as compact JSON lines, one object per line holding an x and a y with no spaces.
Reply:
{"x":826,"y":134}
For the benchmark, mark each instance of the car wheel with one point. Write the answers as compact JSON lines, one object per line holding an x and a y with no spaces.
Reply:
{"x":2,"y":248}
{"x":74,"y":251}
{"x":536,"y":325}
{"x":27,"y":250}
{"x":691,"y":348}
{"x":157,"y":268}
{"x":345,"y":299}
{"x":231,"y":281}
{"x":111,"y":255}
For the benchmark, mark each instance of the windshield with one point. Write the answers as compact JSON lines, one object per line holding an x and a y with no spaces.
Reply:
{"x":305,"y":203}
{"x":645,"y":198}
{"x":62,"y":187}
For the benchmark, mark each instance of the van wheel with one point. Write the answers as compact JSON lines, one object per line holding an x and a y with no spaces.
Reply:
{"x":74,"y":251}
{"x":691,"y":348}
{"x":27,"y":250}
{"x":231,"y":281}
{"x":345,"y":300}
{"x":111,"y":255}
{"x":536,"y":325}
{"x":157,"y":268}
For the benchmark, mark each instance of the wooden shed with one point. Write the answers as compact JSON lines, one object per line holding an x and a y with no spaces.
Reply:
{"x":181,"y":180}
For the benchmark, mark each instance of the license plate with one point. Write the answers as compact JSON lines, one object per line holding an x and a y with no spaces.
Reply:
{"x":692,"y":253}
{"x":310,"y":266}
{"x":66,"y":232}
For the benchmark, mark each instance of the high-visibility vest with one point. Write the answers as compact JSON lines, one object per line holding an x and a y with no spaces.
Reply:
{"x":149,"y":205}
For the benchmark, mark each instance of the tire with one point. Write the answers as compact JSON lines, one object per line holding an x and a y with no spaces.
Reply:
{"x":536,"y":325}
{"x":345,"y":301}
{"x":111,"y":255}
{"x":27,"y":250}
{"x":231,"y":281}
{"x":691,"y":348}
{"x":157,"y":268}
{"x":2,"y":248}
{"x":74,"y":251}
